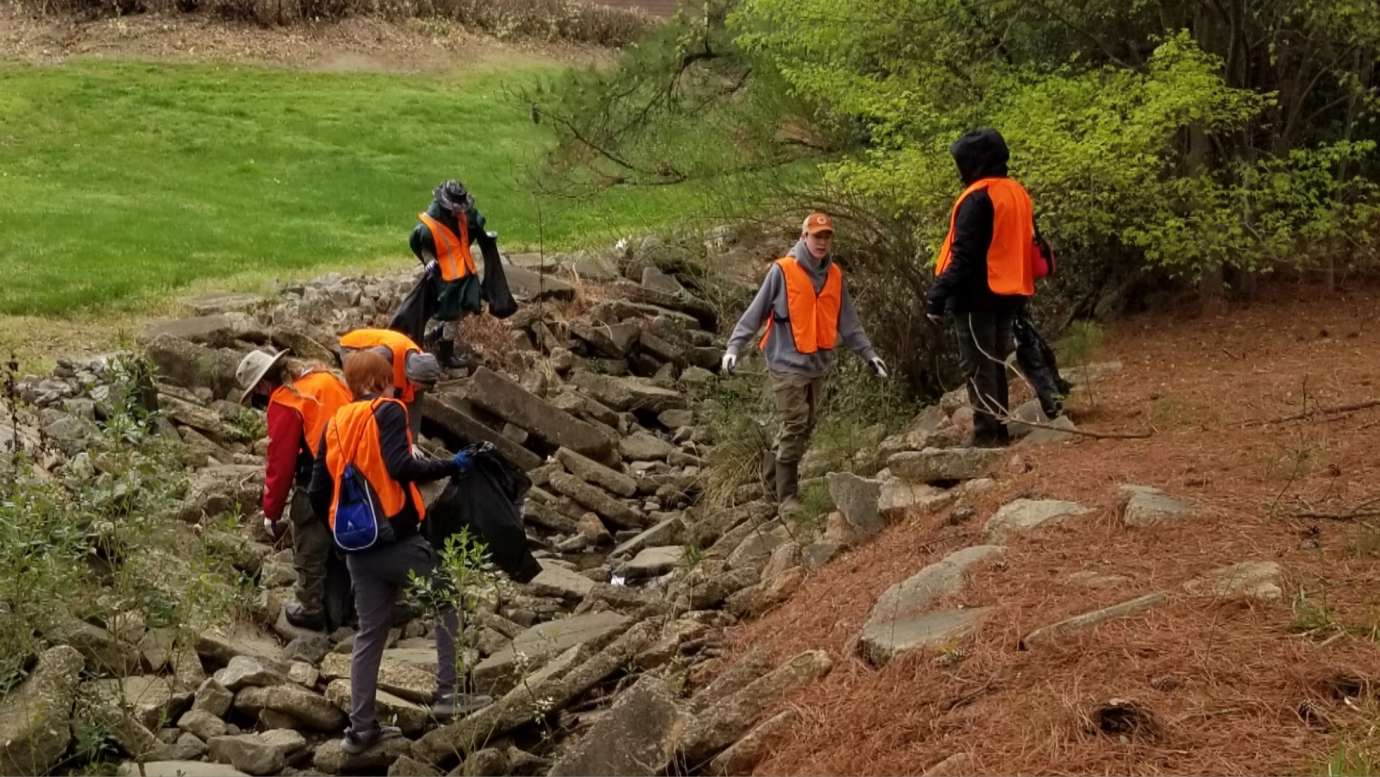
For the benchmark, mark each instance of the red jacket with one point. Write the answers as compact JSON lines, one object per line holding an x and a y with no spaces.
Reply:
{"x":286,"y":445}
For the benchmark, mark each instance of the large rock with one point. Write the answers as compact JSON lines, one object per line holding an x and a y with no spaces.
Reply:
{"x":246,"y":671}
{"x":222,"y":489}
{"x":652,"y":562}
{"x":900,"y":497}
{"x":644,"y":446}
{"x":942,"y":465}
{"x":177,"y":769}
{"x":311,"y":709}
{"x":1247,"y":579}
{"x":103,"y":652}
{"x":221,"y":645}
{"x":216,"y":329}
{"x":331,"y":759}
{"x":213,"y":698}
{"x":151,"y":700}
{"x":201,"y":723}
{"x":667,"y":532}
{"x":592,"y":471}
{"x":514,"y":404}
{"x":743,"y":756}
{"x":530,"y":286}
{"x":902,"y":620}
{"x":1149,"y":506}
{"x":593,"y":498}
{"x":630,"y":394}
{"x":552,"y":687}
{"x":727,"y":720}
{"x":1087,"y":620}
{"x":554,"y":580}
{"x":447,"y":412}
{"x":406,"y":673}
{"x":258,"y":754}
{"x":638,"y":735}
{"x":191,"y":365}
{"x":859,"y":501}
{"x":533,"y":647}
{"x":34,"y":718}
{"x":1023,"y":515}
{"x":409,"y":717}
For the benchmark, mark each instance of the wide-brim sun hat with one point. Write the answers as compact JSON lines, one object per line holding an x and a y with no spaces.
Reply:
{"x":253,"y":367}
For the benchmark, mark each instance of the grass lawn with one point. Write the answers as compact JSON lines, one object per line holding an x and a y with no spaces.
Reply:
{"x":124,"y":182}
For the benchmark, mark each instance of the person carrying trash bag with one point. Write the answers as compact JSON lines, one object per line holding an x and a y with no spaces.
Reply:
{"x":1033,"y":355}
{"x":985,"y":274}
{"x":453,"y":288}
{"x":364,"y":483}
{"x":805,"y":305}
{"x":486,"y":499}
{"x":415,"y":372}
{"x":298,"y":408}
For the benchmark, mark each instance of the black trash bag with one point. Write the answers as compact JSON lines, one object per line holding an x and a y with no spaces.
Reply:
{"x":496,"y":292}
{"x":488,"y":500}
{"x":416,"y":308}
{"x":1037,"y":362}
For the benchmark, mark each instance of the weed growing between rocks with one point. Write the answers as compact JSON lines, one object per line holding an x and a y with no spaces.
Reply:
{"x":464,"y":573}
{"x":95,"y":538}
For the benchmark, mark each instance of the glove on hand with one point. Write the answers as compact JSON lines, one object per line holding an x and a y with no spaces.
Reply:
{"x":878,"y":366}
{"x":729,"y":363}
{"x":935,"y":318}
{"x":462,"y":461}
{"x":272,"y":528}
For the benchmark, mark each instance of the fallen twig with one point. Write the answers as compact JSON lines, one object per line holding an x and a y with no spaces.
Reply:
{"x":1349,"y":408}
{"x":1083,"y":432}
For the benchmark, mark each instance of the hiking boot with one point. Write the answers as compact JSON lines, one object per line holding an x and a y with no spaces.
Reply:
{"x":354,"y":743}
{"x":449,"y":359}
{"x":787,"y":485}
{"x":299,"y":617}
{"x":449,"y":705}
{"x":768,"y":474}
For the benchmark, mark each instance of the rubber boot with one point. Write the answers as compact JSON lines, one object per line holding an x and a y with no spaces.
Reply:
{"x":768,"y":474}
{"x":787,"y":486}
{"x":445,"y":354}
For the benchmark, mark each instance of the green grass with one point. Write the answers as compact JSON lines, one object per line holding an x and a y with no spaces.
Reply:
{"x":123,"y":182}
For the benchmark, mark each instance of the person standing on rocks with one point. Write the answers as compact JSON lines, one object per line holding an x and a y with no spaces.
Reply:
{"x":807,"y":311}
{"x":441,"y":240}
{"x":298,"y":409}
{"x":985,"y":276}
{"x":371,"y":435}
{"x":414,"y":371}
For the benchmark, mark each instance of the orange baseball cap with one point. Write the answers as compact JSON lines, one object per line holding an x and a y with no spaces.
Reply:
{"x":818,"y":222}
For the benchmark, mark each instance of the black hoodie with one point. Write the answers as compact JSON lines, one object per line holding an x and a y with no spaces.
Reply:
{"x":963,"y":287}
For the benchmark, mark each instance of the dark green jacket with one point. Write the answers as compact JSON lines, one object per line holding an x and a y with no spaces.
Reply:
{"x":454,"y":298}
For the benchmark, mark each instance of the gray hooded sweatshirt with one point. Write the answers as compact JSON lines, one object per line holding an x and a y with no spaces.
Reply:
{"x":780,"y":352}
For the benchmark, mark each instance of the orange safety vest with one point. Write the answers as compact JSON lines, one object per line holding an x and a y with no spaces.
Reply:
{"x":399,"y":344}
{"x":1013,"y":255}
{"x":315,"y":395}
{"x":814,"y":317}
{"x":352,"y":437}
{"x":452,"y":253}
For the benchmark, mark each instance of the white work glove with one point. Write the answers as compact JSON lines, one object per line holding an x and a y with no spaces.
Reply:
{"x":729,"y":363}
{"x":272,"y":528}
{"x":935,"y":319}
{"x":878,"y":366}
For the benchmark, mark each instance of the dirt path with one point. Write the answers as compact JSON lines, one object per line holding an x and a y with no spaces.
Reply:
{"x":1240,"y":688}
{"x":352,"y":44}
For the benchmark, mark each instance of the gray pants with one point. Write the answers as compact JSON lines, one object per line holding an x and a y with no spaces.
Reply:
{"x":798,"y":400}
{"x":378,"y":575}
{"x":311,"y":551}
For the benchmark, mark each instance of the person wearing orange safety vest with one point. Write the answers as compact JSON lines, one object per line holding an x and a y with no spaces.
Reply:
{"x":298,"y":408}
{"x":441,"y":240}
{"x":805,"y":305}
{"x":371,"y":436}
{"x":414,"y":371}
{"x":985,"y":275}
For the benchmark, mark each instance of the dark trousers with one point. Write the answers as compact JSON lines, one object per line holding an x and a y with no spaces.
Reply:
{"x":984,"y":340}
{"x":379,"y":574}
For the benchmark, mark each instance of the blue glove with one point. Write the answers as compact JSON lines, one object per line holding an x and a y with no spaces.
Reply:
{"x":462,"y":461}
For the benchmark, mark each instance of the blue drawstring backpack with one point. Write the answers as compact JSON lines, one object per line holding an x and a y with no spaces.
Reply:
{"x":357,"y":526}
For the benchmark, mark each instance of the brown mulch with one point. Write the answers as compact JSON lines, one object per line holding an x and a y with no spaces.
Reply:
{"x":1227,"y":687}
